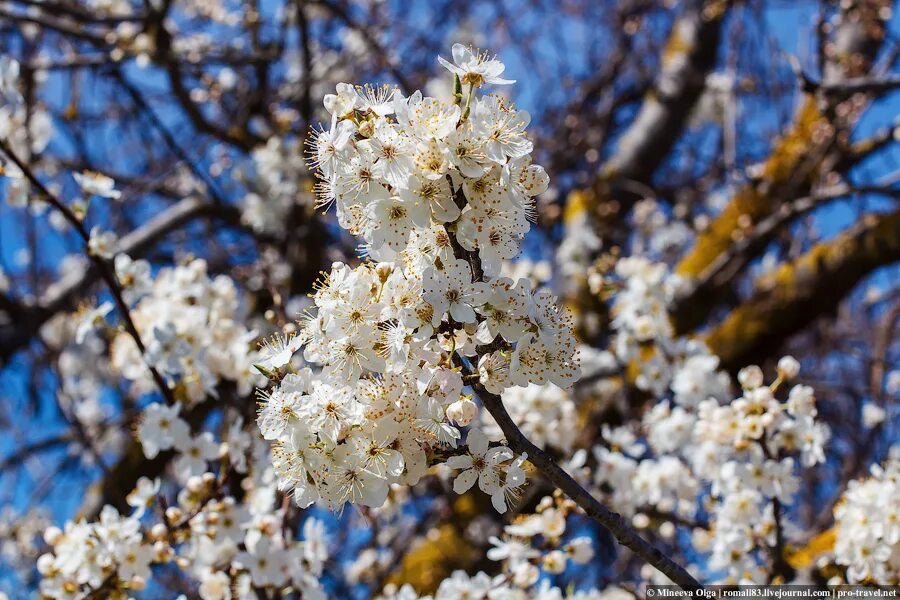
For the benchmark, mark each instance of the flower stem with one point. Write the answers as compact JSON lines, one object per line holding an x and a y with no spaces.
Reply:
{"x":465,"y":114}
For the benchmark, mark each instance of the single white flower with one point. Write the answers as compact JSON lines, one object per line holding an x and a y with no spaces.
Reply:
{"x":278,"y":350}
{"x":161,"y":428}
{"x":475,"y":67}
{"x":102,"y":243}
{"x":91,"y":320}
{"x":97,"y":184}
{"x":480,"y":464}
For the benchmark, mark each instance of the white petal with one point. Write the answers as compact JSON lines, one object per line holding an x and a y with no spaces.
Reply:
{"x":499,"y":502}
{"x":460,"y":462}
{"x":477,"y":442}
{"x":461,"y":54}
{"x":465,"y":481}
{"x":450,"y":66}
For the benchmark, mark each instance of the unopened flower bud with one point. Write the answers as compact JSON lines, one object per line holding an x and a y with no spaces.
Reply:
{"x":555,"y":562}
{"x":45,"y":564}
{"x":750,"y":377}
{"x":158,"y":532}
{"x":384,"y":271}
{"x":667,"y":530}
{"x":701,"y":539}
{"x":366,"y":129}
{"x":162,"y":552}
{"x":462,"y":412}
{"x":788,"y":367}
{"x":873,"y":415}
{"x":268,"y":524}
{"x":581,"y":549}
{"x":137,"y":583}
{"x":173,"y":513}
{"x":195,"y":484}
{"x":525,"y":574}
{"x":53,"y":535}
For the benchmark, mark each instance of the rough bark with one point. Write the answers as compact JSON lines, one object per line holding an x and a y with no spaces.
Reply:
{"x":800,"y":291}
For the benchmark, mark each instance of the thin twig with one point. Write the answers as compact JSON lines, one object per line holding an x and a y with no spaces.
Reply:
{"x":609,"y":519}
{"x":102,"y":266}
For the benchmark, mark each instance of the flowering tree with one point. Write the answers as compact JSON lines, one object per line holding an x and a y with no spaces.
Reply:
{"x":501,"y":386}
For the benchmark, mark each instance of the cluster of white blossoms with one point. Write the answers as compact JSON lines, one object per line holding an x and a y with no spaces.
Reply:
{"x":441,"y":193}
{"x":697,"y":446}
{"x":536,"y":543}
{"x":107,"y":554}
{"x":531,"y":545}
{"x":231,"y":547}
{"x":191,"y":324}
{"x":641,"y":321}
{"x":867,"y":522}
{"x":26,"y":129}
{"x":277,"y":185}
{"x":546,"y":415}
{"x":739,"y":460}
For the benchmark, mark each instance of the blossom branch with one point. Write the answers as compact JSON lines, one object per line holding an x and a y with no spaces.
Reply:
{"x":611,"y":520}
{"x":519,"y":443}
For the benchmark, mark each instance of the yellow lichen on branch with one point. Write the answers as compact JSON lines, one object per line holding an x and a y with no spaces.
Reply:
{"x":755,"y":201}
{"x":802,"y":558}
{"x":797,"y":292}
{"x":443,"y":549}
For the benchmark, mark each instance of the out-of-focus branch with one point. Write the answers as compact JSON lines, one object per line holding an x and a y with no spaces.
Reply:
{"x":376,"y":48}
{"x":789,"y":170}
{"x":729,"y":263}
{"x":26,"y":451}
{"x":688,"y":58}
{"x":70,"y":29}
{"x":802,"y":290}
{"x":444,"y":549}
{"x":612,"y":521}
{"x":815,"y":145}
{"x":64,"y":294}
{"x":237,"y":136}
{"x":857,"y":85}
{"x":544,"y":462}
{"x":74,"y":11}
{"x":103,"y":268}
{"x":114,"y":487}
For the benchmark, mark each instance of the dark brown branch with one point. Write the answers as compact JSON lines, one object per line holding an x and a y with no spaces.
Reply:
{"x":545,"y":463}
{"x":688,"y":313}
{"x":802,"y":290}
{"x":64,"y":294}
{"x":612,"y":521}
{"x":857,"y":85}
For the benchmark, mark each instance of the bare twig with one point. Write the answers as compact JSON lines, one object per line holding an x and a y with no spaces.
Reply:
{"x":609,"y":519}
{"x":103,"y":267}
